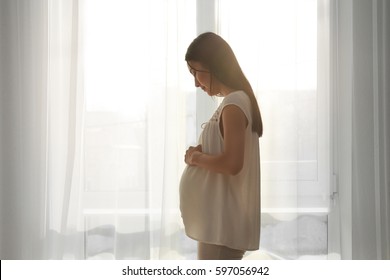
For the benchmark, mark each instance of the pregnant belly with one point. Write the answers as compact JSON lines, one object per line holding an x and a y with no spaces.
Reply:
{"x":191,"y":179}
{"x":191,"y":186}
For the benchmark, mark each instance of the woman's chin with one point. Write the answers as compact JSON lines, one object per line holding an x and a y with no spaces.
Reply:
{"x":209,"y":93}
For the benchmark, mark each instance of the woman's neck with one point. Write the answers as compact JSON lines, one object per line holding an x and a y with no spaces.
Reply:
{"x":225,"y":91}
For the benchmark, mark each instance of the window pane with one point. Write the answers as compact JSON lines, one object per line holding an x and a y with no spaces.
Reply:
{"x":278,"y":53}
{"x":276,"y":44}
{"x":140,"y":112}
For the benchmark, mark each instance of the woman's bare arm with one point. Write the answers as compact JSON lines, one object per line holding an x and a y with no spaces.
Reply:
{"x":231,"y":160}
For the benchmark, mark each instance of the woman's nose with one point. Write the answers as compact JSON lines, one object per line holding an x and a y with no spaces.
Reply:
{"x":197,"y":84}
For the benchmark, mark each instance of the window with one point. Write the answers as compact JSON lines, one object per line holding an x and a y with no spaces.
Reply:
{"x":136,"y":87}
{"x":277,"y":44}
{"x":142,"y":111}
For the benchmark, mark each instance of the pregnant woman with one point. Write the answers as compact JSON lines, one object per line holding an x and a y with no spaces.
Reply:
{"x":220,"y":187}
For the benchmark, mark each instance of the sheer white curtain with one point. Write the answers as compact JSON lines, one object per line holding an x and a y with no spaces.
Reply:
{"x":93,"y":127}
{"x":41,"y":115}
{"x":22,"y":154}
{"x":360,"y":52}
{"x":138,"y":116}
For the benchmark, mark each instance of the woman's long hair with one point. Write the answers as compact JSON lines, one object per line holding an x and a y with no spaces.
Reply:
{"x":217,"y":56}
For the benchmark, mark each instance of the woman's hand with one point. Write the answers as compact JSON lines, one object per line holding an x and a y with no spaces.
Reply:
{"x":231,"y":160}
{"x":191,"y":154}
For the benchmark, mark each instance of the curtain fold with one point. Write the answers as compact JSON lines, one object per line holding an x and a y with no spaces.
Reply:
{"x":23,"y":110}
{"x":65,"y":123}
{"x":40,"y":116}
{"x":370,"y":238}
{"x":361,"y":131}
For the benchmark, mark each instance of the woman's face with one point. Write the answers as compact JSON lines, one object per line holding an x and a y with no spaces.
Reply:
{"x":201,"y":75}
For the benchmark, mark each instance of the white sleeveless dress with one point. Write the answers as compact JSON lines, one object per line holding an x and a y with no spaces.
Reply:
{"x":223,"y":209}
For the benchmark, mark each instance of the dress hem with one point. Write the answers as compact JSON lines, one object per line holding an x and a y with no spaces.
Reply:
{"x":219,"y":243}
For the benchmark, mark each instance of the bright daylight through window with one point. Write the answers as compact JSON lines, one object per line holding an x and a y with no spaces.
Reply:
{"x":140,"y":116}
